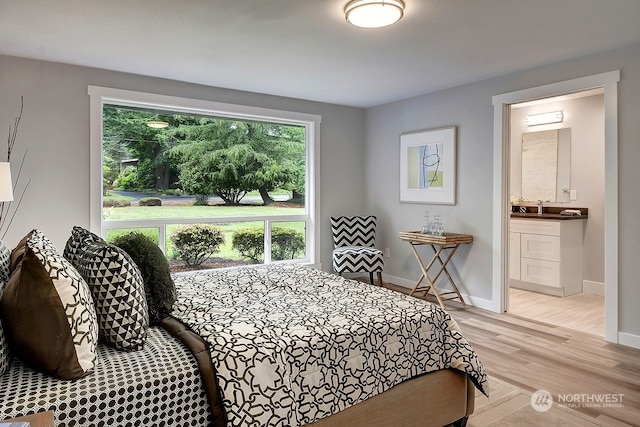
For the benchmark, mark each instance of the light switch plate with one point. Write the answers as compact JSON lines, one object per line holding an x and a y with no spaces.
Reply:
{"x":573,"y":195}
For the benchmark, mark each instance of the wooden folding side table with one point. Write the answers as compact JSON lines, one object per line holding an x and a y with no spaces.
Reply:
{"x":447,"y":242}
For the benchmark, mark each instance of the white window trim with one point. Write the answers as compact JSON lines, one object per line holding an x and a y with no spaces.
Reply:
{"x":98,"y":96}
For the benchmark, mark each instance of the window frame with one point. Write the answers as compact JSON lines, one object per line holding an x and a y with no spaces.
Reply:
{"x":99,"y":96}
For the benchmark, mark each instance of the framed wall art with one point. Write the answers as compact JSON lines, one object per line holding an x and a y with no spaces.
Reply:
{"x":428,"y":166}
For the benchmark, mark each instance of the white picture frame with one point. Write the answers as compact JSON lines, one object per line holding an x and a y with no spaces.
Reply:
{"x":428,"y":166}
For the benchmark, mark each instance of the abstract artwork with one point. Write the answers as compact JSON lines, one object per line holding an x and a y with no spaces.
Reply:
{"x":427,"y":166}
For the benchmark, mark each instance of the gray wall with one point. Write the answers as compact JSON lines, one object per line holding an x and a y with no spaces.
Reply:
{"x":470,"y":108}
{"x":55,"y":129}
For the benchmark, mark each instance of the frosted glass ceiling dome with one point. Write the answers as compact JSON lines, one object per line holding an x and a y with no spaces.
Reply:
{"x":373,"y":14}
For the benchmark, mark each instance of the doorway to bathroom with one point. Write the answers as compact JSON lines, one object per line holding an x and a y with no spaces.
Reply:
{"x":501,"y":189}
{"x":556,"y":266}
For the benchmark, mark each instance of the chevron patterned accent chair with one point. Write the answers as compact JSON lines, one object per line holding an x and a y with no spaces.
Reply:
{"x":354,"y":239}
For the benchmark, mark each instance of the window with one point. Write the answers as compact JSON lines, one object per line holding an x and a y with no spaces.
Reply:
{"x":247,"y":173}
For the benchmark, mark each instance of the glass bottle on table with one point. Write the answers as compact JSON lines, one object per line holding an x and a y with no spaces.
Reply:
{"x":426,"y":226}
{"x":436,"y":228}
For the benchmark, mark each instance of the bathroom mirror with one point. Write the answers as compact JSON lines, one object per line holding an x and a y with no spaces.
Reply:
{"x":546,"y":165}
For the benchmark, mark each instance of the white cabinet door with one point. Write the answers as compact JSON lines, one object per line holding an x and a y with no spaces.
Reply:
{"x":540,"y":272}
{"x":549,"y":254}
{"x":541,"y":247}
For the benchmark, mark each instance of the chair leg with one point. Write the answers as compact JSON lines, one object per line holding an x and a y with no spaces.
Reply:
{"x":380,"y":279}
{"x":371,"y":277}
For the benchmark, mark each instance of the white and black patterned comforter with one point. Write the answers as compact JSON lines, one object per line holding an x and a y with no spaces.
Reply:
{"x":292,"y":344}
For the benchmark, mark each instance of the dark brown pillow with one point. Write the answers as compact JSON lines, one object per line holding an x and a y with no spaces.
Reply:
{"x":48,"y":312}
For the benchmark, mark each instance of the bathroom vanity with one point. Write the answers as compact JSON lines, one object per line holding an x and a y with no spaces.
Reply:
{"x":545,"y":252}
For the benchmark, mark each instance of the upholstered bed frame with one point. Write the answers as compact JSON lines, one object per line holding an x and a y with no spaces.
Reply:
{"x":438,"y":398}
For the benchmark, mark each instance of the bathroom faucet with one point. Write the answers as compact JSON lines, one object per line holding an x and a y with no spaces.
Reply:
{"x":540,"y":207}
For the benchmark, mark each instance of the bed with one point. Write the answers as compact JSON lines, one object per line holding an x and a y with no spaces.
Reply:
{"x":277,"y":345}
{"x":292,"y":345}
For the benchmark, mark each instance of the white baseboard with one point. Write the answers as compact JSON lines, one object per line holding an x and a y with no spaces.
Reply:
{"x":482,"y":303}
{"x":470,"y":300}
{"x":629,"y":340}
{"x":596,"y":288}
{"x":398,"y":281}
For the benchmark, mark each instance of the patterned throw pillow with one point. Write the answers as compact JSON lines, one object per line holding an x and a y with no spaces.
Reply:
{"x":5,"y":357}
{"x":118,"y":293}
{"x":48,"y":313}
{"x":5,"y":260}
{"x":77,"y":243}
{"x":5,"y":257}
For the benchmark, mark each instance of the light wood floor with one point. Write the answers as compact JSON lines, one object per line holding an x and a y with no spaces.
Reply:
{"x":582,"y":312}
{"x":535,"y":355}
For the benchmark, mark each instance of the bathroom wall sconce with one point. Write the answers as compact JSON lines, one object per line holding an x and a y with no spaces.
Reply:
{"x":544,"y":118}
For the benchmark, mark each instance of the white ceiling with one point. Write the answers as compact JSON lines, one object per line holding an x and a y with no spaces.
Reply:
{"x":305,"y":49}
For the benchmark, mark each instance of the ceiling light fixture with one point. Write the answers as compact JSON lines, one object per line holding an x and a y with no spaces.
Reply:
{"x":544,"y":118}
{"x":373,"y":14}
{"x":157,"y":125}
